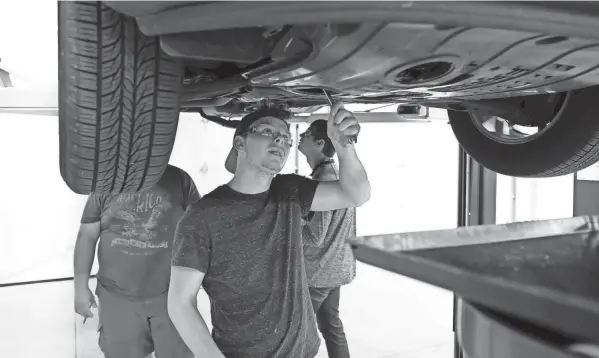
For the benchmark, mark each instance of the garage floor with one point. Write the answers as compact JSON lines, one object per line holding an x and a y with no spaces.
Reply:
{"x":385,"y":315}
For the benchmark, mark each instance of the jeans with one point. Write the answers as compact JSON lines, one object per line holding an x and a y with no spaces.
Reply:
{"x":326,"y":306}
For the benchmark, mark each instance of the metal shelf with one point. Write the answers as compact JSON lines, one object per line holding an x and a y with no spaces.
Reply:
{"x":545,"y":273}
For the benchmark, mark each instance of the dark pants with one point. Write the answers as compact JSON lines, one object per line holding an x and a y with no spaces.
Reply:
{"x":326,"y":306}
{"x":134,"y":329}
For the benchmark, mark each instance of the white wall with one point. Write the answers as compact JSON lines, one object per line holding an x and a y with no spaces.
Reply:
{"x":39,"y":215}
{"x":413,"y":170}
{"x":30,"y":53}
{"x":200,"y":149}
{"x":523,"y":199}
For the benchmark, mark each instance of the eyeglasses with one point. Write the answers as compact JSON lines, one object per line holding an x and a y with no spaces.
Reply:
{"x":306,"y":134}
{"x":268,"y":132}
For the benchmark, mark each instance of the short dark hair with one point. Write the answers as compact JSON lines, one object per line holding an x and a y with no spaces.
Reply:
{"x":247,"y":121}
{"x":318,"y":129}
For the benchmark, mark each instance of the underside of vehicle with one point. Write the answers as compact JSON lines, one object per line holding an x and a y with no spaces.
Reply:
{"x":519,"y":80}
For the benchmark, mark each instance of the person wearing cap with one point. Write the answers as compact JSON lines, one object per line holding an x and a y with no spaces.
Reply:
{"x":243,"y":244}
{"x":329,"y":258}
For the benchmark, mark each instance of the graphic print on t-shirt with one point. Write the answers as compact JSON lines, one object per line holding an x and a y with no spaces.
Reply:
{"x":138,"y":222}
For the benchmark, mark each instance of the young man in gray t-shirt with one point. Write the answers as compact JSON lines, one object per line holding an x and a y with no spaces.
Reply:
{"x":136,"y":234}
{"x":330,"y":261}
{"x":243,"y":244}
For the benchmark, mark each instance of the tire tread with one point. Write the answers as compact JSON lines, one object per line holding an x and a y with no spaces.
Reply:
{"x":114,"y":133}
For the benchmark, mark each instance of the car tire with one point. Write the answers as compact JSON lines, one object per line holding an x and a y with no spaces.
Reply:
{"x":118,"y":101}
{"x":566,"y":146}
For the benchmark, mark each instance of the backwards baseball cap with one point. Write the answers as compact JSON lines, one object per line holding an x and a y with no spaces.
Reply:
{"x":318,"y":128}
{"x":245,"y":124}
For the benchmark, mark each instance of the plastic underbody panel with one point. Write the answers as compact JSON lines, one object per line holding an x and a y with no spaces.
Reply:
{"x":377,"y":58}
{"x":481,"y":63}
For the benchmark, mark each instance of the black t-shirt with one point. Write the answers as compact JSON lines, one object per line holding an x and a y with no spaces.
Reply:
{"x":250,"y":248}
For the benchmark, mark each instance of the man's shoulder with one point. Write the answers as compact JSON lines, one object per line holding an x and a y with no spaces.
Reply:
{"x":328,"y":172}
{"x":288,"y":178}
{"x":210,"y":208}
{"x":174,"y":171}
{"x":209,"y":201}
{"x":198,"y":211}
{"x":176,"y":181}
{"x":286,"y":184}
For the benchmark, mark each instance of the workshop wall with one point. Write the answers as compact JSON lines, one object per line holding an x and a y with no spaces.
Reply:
{"x":586,"y":191}
{"x":40,"y":215}
{"x":528,"y":199}
{"x":412,"y":168}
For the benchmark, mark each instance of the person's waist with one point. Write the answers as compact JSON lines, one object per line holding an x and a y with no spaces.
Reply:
{"x":327,"y":250}
{"x":127,"y":293}
{"x":269,"y":345}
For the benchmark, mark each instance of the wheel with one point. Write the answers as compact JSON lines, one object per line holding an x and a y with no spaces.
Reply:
{"x":118,"y":101}
{"x":564,"y":144}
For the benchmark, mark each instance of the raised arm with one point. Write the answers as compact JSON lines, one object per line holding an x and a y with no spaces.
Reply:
{"x":183,"y":311}
{"x":353,"y":188}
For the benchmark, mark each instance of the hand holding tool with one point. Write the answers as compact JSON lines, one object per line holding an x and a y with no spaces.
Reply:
{"x":350,"y":139}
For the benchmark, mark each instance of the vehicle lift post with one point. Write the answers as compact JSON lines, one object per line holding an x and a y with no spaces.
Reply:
{"x":477,"y":193}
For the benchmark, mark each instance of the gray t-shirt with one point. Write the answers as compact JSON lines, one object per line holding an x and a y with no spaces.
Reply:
{"x":330,"y":260}
{"x":136,"y":234}
{"x":249,"y":246}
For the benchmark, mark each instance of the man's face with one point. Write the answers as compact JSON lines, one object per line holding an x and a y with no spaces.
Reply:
{"x":267,"y":144}
{"x":308,"y":144}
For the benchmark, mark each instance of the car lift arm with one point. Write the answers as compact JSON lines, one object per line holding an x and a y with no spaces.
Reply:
{"x":545,"y":272}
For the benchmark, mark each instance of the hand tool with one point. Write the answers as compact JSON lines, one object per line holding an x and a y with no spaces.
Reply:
{"x":350,"y":139}
{"x":91,"y":303}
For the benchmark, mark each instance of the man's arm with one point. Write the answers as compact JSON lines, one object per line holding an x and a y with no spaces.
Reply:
{"x":183,"y":311}
{"x":190,"y":263}
{"x":353,"y":188}
{"x":85,"y":249}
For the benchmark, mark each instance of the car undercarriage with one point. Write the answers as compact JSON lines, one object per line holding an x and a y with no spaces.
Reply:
{"x":230,"y":71}
{"x":515,"y":77}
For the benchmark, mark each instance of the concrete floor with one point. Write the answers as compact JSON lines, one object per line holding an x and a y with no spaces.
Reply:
{"x":385,"y":315}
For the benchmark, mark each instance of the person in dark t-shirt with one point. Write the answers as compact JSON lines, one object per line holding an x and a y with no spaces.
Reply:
{"x":330,"y":261}
{"x":243,"y":243}
{"x":136,"y":233}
